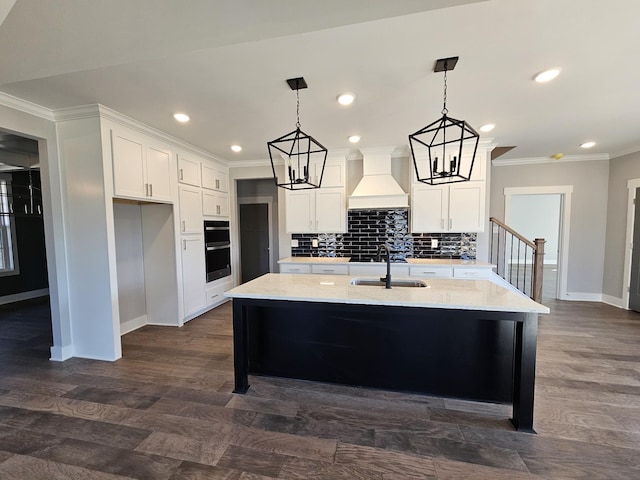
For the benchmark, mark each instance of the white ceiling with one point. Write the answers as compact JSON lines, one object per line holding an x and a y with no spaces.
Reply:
{"x":225,"y":63}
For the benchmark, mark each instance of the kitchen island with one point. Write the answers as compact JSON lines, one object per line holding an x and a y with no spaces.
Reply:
{"x":469,"y":339}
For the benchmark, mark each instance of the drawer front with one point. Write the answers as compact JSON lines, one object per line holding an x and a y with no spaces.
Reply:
{"x":295,"y":268}
{"x":330,"y":269}
{"x":215,"y":295}
{"x":430,"y":272}
{"x":471,"y":273}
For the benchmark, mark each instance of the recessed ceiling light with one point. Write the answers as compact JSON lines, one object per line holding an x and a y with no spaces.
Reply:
{"x":487,"y":128}
{"x":181,"y":117}
{"x":346,"y":98}
{"x":588,"y":144}
{"x":236,"y":148}
{"x":546,"y":75}
{"x":354,"y":138}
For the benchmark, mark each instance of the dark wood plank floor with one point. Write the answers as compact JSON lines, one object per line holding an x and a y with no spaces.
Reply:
{"x":166,"y":411}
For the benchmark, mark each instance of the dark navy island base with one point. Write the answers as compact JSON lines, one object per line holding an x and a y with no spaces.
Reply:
{"x":485,"y":356}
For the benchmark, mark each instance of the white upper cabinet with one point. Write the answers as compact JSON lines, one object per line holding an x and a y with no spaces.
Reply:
{"x":190,"y":202}
{"x":214,"y":178}
{"x":316,"y":210}
{"x":458,"y":207}
{"x":215,"y":204}
{"x":188,"y":171}
{"x":141,"y":167}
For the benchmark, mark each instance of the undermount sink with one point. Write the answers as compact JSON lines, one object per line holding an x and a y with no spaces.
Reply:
{"x":400,"y":282}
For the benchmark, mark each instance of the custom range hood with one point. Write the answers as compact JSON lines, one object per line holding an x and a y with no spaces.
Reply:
{"x":377,"y":188}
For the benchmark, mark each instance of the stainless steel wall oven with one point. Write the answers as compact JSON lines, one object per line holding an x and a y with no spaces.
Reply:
{"x":217,"y":246}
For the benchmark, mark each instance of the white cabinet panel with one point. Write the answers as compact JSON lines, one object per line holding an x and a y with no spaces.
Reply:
{"x":190,"y":210}
{"x":330,"y":269}
{"x":466,"y":207}
{"x":215,"y":204}
{"x":141,"y":168}
{"x":188,"y":171}
{"x":214,"y":178}
{"x":425,"y":271}
{"x":471,"y":273}
{"x":159,"y":173}
{"x":193,"y":274}
{"x":128,"y":164}
{"x":316,"y":210}
{"x":459,"y":207}
{"x":295,"y":268}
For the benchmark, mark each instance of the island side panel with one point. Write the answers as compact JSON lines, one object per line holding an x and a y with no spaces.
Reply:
{"x":240,"y":351}
{"x":446,"y":352}
{"x":524,"y":372}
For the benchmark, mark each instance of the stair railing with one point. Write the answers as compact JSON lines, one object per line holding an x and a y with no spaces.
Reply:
{"x":518,"y":260}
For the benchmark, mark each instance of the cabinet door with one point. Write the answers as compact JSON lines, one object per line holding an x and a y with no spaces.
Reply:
{"x":128,"y":164}
{"x":159,"y":173}
{"x":429,"y":209}
{"x":193,"y":274}
{"x":330,"y":210}
{"x":188,"y":171}
{"x":299,"y":214}
{"x":214,"y":178}
{"x":215,"y":204}
{"x":190,"y":210}
{"x":466,"y":207}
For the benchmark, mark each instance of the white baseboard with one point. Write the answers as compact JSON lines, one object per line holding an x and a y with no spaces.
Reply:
{"x":60,"y":354}
{"x":18,"y":297}
{"x":133,"y":324}
{"x":583,"y":297}
{"x":614,"y":301}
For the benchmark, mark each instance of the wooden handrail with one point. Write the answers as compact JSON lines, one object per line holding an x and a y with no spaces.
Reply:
{"x":512,"y":232}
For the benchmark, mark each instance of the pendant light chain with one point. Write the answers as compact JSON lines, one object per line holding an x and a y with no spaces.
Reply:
{"x":298,"y":108}
{"x":444,"y":106}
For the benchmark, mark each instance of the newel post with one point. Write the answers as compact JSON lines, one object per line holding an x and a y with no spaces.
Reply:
{"x":538,"y":264}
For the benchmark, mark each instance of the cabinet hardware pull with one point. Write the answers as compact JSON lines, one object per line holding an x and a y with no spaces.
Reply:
{"x":184,"y":226}
{"x":151,"y":189}
{"x":181,"y":174}
{"x":184,"y":244}
{"x":217,"y":184}
{"x":218,"y":209}
{"x":146,"y":189}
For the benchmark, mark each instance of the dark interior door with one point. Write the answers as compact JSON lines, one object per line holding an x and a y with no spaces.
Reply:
{"x":634,"y":289}
{"x":254,"y":240}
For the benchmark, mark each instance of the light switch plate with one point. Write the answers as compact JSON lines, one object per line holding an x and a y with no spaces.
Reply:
{"x":434,"y":243}
{"x":314,"y":242}
{"x":294,"y":242}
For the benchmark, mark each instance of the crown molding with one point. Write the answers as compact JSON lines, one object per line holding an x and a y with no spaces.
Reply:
{"x":627,"y":151}
{"x":26,"y":106}
{"x":253,"y":163}
{"x":537,"y":160}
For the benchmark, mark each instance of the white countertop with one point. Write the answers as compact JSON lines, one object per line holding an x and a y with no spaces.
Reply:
{"x":449,"y":262}
{"x":440,"y":293}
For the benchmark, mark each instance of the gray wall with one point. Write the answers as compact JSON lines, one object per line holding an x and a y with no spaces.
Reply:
{"x":621,"y":170}
{"x":588,"y":222}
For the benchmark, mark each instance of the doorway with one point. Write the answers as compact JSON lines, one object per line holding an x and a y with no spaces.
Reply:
{"x":631,"y":290}
{"x":255,"y":243}
{"x":544,"y":212}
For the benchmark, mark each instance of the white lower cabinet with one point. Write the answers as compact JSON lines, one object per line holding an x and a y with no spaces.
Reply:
{"x":193,"y":274}
{"x":330,"y":269}
{"x":214,"y":294}
{"x":430,"y":272}
{"x":471,"y":273}
{"x":378,"y":270}
{"x":295,"y":268}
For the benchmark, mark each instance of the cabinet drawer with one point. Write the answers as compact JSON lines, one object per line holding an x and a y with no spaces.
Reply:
{"x":215,"y":295}
{"x":430,"y":272}
{"x":295,"y":268}
{"x":471,"y":272}
{"x":330,"y":269}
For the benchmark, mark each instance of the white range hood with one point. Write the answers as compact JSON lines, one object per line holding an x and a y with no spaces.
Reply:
{"x":377,"y":188}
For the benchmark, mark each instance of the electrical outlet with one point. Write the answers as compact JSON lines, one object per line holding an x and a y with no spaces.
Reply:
{"x":434,"y":243}
{"x":294,"y":243}
{"x":314,"y":243}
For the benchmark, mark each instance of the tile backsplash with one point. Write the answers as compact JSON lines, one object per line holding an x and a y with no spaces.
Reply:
{"x":369,"y":228}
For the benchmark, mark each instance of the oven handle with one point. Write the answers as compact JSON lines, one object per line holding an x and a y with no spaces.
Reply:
{"x":209,"y":229}
{"x":218,"y":248}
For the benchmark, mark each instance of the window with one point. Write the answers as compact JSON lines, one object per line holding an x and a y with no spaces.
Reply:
{"x":8,"y":250}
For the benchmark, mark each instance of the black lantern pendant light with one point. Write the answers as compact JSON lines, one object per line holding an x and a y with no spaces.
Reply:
{"x":299,"y":151}
{"x":444,"y":151}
